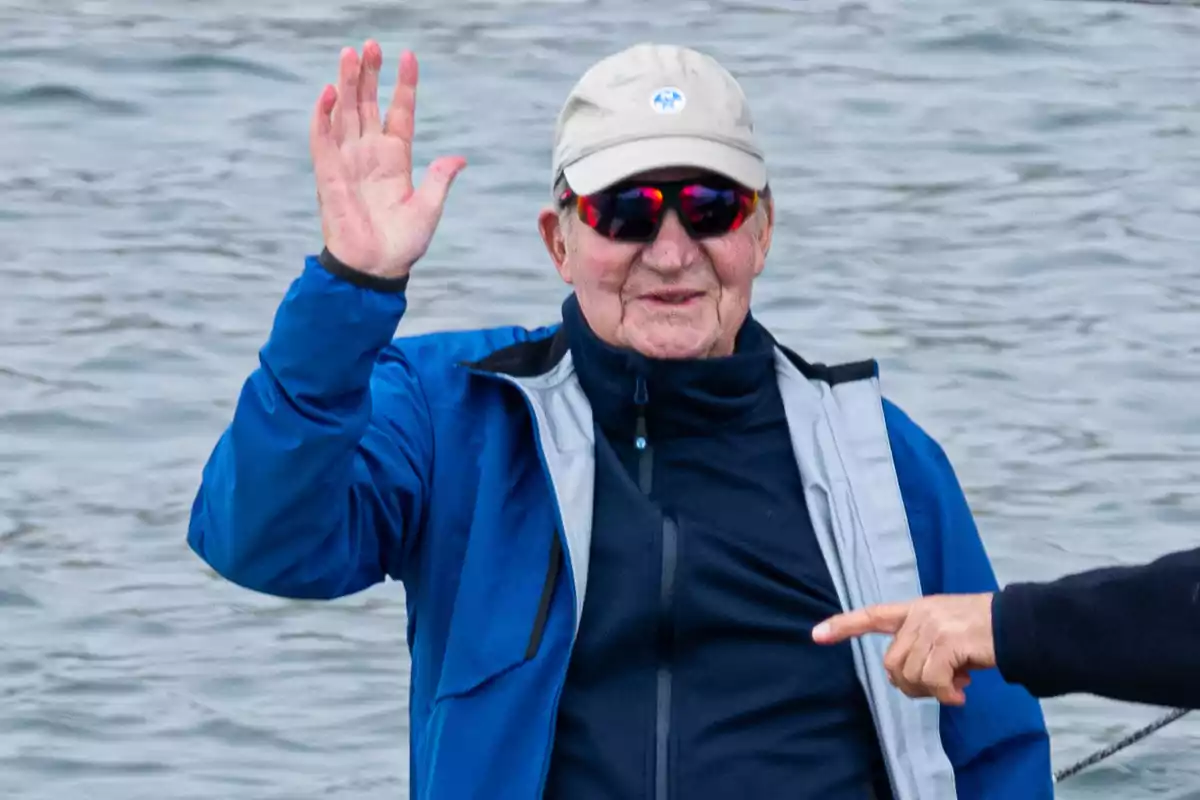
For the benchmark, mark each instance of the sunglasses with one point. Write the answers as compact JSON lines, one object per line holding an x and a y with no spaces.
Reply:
{"x":634,"y":211}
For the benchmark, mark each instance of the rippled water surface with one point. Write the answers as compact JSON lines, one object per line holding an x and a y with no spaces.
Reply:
{"x":998,"y":200}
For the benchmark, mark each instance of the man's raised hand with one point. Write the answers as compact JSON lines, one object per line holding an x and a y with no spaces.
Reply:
{"x":372,"y":217}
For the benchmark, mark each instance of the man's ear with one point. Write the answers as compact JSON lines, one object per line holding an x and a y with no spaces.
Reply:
{"x":766,"y":228}
{"x":554,"y":236}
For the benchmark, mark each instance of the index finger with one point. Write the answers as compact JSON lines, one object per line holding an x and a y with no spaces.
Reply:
{"x":883,"y":618}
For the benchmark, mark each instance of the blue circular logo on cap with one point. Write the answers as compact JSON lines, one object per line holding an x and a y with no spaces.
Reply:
{"x":668,"y":100}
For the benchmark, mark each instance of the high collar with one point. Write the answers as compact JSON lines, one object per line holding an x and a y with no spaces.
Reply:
{"x":679,"y":397}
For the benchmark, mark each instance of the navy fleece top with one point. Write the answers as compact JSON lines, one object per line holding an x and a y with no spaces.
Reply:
{"x":694,"y":674}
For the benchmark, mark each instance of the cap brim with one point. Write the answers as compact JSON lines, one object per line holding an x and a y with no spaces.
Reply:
{"x":619,"y":162}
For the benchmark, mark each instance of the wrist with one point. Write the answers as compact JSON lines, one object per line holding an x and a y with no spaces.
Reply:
{"x":987,"y":628}
{"x":364,"y":280}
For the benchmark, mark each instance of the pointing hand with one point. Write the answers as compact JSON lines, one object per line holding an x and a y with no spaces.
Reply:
{"x":938,"y":640}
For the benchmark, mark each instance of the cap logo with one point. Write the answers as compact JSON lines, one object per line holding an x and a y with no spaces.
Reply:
{"x":668,"y":100}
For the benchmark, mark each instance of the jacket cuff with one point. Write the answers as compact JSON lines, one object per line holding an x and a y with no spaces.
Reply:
{"x":339,"y":269}
{"x":1014,"y":635}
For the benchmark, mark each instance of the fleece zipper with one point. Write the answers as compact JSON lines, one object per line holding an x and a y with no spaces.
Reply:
{"x":670,"y":550}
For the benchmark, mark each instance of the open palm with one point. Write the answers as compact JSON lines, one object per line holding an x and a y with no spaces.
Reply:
{"x":372,"y":217}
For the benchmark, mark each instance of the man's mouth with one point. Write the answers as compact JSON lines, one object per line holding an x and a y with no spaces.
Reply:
{"x":673,"y":297}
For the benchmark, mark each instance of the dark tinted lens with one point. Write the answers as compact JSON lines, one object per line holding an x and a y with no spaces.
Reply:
{"x":633,"y":212}
{"x":712,"y":210}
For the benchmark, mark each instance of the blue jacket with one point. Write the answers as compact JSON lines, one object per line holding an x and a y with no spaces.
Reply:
{"x":354,"y":457}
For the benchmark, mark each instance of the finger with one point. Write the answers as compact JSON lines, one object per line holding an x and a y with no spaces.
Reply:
{"x":886,"y":618}
{"x":401,"y":113}
{"x":368,"y":87}
{"x":332,"y":189}
{"x":918,"y":656}
{"x":938,"y":678}
{"x":431,"y":195}
{"x":894,"y":661}
{"x":960,"y":682}
{"x":323,"y":147}
{"x":898,"y":656}
{"x":346,"y":124}
{"x":897,"y":653}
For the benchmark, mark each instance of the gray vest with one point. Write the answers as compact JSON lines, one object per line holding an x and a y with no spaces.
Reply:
{"x":841,"y":444}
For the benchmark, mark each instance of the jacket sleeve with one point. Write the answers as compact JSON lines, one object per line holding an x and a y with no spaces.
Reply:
{"x":1127,"y":633}
{"x":997,"y":742}
{"x":315,"y":490}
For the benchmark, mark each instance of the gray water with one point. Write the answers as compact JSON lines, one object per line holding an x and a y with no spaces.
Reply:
{"x":998,"y":200}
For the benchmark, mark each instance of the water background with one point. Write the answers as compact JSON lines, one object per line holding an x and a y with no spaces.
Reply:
{"x":997,"y":200}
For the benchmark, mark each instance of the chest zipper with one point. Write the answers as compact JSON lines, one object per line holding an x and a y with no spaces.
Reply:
{"x":670,"y":534}
{"x":640,"y":440}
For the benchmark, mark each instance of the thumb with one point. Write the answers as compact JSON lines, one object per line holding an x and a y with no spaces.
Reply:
{"x":431,"y":194}
{"x":884,"y":618}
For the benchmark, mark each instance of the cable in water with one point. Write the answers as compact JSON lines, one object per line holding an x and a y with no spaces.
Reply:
{"x":1132,"y":738}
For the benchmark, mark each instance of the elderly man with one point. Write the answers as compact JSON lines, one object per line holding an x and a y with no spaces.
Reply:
{"x":615,"y":533}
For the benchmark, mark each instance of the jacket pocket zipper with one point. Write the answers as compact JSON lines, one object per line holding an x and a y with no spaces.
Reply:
{"x":543,"y":610}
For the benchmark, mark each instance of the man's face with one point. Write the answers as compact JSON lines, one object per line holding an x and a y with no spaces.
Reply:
{"x":672,"y":297}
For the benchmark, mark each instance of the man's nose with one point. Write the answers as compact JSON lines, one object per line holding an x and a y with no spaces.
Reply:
{"x":672,"y":249}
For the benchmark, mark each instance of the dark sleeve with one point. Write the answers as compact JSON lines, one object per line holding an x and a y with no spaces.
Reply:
{"x":1126,"y":633}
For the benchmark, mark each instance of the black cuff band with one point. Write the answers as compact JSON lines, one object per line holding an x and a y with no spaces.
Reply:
{"x":361,"y":279}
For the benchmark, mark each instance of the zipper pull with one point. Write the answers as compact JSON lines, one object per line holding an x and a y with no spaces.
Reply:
{"x":640,"y":398}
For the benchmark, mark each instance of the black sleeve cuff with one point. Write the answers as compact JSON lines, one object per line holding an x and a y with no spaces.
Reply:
{"x":1019,"y":656}
{"x":361,"y":279}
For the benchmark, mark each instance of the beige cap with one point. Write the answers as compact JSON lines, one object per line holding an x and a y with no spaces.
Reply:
{"x":655,"y":106}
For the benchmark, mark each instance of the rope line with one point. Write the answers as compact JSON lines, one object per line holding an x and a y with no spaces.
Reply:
{"x":1116,"y":747}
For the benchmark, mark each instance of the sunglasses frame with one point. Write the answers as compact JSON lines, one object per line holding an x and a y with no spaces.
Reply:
{"x":672,"y":200}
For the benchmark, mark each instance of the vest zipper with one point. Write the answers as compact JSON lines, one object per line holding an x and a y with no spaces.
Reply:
{"x":640,"y":440}
{"x":662,"y":726}
{"x":670,"y":544}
